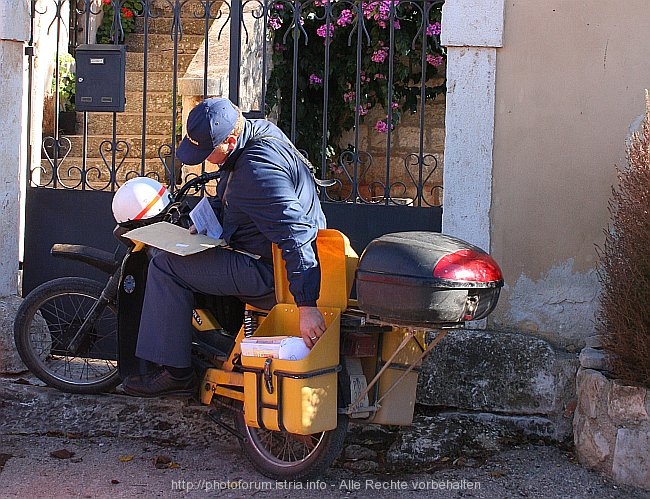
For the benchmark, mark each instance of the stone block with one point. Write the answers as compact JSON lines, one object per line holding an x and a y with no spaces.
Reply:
{"x":631,"y":464}
{"x":592,"y":390}
{"x":455,"y":434}
{"x":594,"y":341}
{"x":494,"y":371}
{"x":626,"y":404}
{"x":594,"y":442}
{"x":41,"y":410}
{"x":591,"y":358}
{"x":9,"y":359}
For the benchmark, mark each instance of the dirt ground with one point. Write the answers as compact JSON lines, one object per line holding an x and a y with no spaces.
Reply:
{"x":61,"y":445}
{"x":56,"y":466}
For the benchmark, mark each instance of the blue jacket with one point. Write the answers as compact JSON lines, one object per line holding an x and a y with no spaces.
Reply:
{"x":266,"y":195}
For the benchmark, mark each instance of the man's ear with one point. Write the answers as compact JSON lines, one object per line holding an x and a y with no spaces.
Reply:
{"x":232,"y":141}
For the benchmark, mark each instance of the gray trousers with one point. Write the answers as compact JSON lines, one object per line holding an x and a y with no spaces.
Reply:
{"x":165,"y":335}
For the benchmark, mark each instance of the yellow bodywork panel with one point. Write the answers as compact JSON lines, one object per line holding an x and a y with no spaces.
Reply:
{"x":297,"y":395}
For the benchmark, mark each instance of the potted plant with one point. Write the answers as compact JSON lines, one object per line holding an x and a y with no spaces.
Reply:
{"x":67,"y":113}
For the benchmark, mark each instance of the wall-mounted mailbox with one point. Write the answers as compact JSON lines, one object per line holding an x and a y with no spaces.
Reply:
{"x":100,"y":73}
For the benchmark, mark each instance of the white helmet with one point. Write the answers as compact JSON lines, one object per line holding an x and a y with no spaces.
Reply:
{"x":140,"y":198}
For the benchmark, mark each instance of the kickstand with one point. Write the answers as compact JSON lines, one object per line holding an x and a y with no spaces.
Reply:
{"x":215,"y":415}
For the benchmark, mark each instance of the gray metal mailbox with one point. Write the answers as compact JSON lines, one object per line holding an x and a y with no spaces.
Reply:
{"x":100,"y":76}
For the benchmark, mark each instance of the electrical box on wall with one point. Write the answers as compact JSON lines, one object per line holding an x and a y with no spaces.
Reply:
{"x":100,"y":73}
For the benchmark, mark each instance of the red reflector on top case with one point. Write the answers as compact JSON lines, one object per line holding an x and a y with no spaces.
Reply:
{"x":467,"y":265}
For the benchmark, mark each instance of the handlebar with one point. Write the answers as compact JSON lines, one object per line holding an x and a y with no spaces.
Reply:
{"x":196,"y":183}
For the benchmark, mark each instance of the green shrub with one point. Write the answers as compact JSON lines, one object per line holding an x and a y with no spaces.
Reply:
{"x":624,"y":317}
{"x":67,"y":82}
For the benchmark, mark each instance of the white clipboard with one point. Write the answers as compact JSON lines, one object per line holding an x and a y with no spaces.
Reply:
{"x":173,"y":239}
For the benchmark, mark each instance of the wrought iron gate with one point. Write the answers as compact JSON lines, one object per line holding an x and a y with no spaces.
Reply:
{"x":357,"y":85}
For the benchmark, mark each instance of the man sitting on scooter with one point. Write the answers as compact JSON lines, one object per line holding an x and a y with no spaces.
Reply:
{"x":266,"y":195}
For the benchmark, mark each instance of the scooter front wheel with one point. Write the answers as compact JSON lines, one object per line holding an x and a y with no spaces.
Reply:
{"x":49,"y":319}
{"x":285,"y":456}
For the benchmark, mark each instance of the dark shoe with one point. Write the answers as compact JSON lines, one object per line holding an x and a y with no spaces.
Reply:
{"x":159,"y":383}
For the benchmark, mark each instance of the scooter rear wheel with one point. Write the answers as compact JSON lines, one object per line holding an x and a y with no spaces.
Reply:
{"x":48,"y":319}
{"x":284,"y":456}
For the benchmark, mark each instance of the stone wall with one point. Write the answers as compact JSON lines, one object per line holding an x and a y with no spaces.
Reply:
{"x":404,"y":151}
{"x":480,"y":391}
{"x":611,"y":424}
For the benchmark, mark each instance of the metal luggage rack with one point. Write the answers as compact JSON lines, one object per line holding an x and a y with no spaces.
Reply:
{"x":357,"y":320}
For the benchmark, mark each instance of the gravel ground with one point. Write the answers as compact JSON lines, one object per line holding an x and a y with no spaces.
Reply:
{"x":61,"y":445}
{"x":56,"y":466}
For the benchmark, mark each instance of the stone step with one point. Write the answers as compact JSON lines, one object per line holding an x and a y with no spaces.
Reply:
{"x":155,"y":146}
{"x":130,"y":123}
{"x":193,"y":8}
{"x":454,"y":376}
{"x":157,"y":81}
{"x":157,"y":102}
{"x":163,"y":25}
{"x":160,"y":61}
{"x":188,"y":44}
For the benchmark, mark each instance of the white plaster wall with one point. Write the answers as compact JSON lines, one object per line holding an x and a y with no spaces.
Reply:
{"x":468,"y":144}
{"x":14,"y":31}
{"x":470,"y":31}
{"x":570,"y":80}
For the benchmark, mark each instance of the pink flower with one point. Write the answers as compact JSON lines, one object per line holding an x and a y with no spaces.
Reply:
{"x":336,"y":169}
{"x":275,"y":22}
{"x":349,"y":96}
{"x":322,"y":31}
{"x":380,"y":76}
{"x":433,"y":29}
{"x":314,"y":79}
{"x":394,"y":105}
{"x":379,"y":55}
{"x":278,"y":6}
{"x":435,"y":60}
{"x":381,"y":126}
{"x":378,"y":11}
{"x":345,"y":18}
{"x":362,"y":110}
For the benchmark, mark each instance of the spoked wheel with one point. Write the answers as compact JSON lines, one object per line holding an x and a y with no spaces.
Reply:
{"x":285,"y":456}
{"x":49,"y":319}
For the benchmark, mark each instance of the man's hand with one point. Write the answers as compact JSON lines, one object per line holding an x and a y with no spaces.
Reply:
{"x":312,"y":325}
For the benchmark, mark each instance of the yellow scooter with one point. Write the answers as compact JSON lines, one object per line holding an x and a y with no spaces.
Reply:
{"x":290,"y":414}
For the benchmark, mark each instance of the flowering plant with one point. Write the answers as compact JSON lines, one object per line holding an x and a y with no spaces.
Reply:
{"x":380,"y":53}
{"x":129,"y":9}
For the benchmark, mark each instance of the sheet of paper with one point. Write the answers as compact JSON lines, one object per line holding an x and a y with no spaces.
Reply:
{"x":205,"y":220}
{"x":172,"y":238}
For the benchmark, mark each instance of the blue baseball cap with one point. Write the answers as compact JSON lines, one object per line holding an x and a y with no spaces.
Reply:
{"x":208,"y":125}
